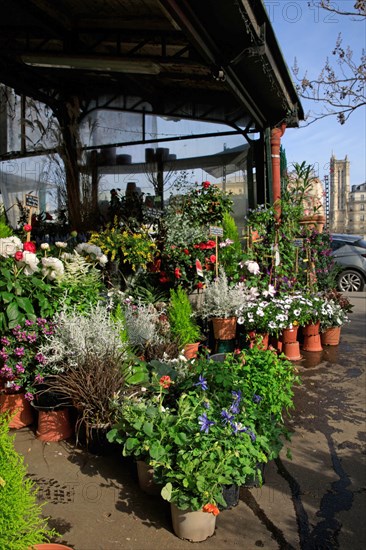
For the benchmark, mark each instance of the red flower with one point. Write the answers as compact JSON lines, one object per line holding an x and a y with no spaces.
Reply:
{"x":199,"y":285}
{"x":186,"y":251}
{"x":210,"y":244}
{"x":29,"y":247}
{"x":27,"y":228}
{"x":206,"y":184}
{"x":212,"y":258}
{"x":18,"y":255}
{"x":177,"y":273}
{"x":163,"y":277}
{"x":211,"y":509}
{"x":165,"y":381}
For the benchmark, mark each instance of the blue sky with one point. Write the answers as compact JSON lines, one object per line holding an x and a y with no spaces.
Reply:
{"x":309,"y":35}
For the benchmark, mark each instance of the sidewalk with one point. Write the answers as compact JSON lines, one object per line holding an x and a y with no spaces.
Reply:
{"x":314,"y":501}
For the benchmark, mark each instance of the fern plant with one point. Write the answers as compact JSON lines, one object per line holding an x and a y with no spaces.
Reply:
{"x":21,"y":523}
{"x":183,"y":325}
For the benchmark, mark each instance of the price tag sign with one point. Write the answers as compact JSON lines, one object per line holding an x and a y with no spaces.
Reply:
{"x":216,"y":231}
{"x":298,"y":242}
{"x":31,"y":200}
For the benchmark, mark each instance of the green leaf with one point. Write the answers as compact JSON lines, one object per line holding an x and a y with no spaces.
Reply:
{"x":148,"y":428}
{"x":157,"y":451}
{"x":166,"y":492}
{"x":25,"y":304}
{"x":180,"y":439}
{"x":131,"y":443}
{"x":7,"y":297}
{"x":136,"y":378}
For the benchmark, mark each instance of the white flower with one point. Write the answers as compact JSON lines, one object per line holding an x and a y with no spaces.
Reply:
{"x":252,"y":267}
{"x":240,"y":320}
{"x":270,"y":292}
{"x":52,"y":268}
{"x":9,"y":246}
{"x":297,"y":312}
{"x":103,"y":260}
{"x":29,"y":262}
{"x":45,"y":246}
{"x":61,"y":244}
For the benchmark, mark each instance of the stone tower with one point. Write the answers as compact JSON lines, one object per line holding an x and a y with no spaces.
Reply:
{"x":339,"y":187}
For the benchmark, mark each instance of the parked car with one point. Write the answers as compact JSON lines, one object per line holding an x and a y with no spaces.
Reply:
{"x":349,"y":251}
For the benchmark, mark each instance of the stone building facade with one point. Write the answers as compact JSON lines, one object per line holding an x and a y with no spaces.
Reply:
{"x":347,"y":205}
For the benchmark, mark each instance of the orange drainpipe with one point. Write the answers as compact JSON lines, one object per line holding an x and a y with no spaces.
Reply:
{"x":276,"y":134}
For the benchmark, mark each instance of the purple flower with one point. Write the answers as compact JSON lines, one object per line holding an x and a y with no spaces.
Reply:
{"x":29,"y":323}
{"x":235,"y":407}
{"x":40,"y":358}
{"x":32,"y":338}
{"x":202,"y":382}
{"x":205,"y":423}
{"x":4,"y":341}
{"x":253,"y":437}
{"x":237,"y":395}
{"x":257,"y":398}
{"x":19,"y":368}
{"x":226,"y":416}
{"x":238,"y":427}
{"x":206,"y":404}
{"x":38,"y":379}
{"x":3,"y":355}
{"x":29,"y":396}
{"x":19,"y":351}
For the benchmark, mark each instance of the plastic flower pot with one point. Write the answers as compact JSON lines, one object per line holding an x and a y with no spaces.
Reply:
{"x":54,"y":425}
{"x":331,"y":336}
{"x":289,"y":335}
{"x":224,"y":329}
{"x":19,"y":408}
{"x":145,"y":475}
{"x":194,"y":526}
{"x":311,"y":336}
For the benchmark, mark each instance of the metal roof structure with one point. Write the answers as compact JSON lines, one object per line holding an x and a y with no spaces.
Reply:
{"x":207,"y":60}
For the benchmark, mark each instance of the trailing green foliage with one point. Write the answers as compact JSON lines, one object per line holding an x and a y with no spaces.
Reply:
{"x":21,"y":524}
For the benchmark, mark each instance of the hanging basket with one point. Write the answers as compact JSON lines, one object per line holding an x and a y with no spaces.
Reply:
{"x":331,"y":336}
{"x":194,"y":526}
{"x":224,"y":329}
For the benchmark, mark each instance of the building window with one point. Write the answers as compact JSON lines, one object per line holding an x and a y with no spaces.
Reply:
{"x":362,"y":207}
{"x":362,"y":218}
{"x":362,"y":197}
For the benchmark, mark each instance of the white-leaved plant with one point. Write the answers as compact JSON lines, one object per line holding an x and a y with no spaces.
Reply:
{"x":224,"y":300}
{"x":142,"y":324}
{"x":76,"y":336}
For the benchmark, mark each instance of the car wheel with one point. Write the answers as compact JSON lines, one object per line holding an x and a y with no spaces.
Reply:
{"x":350,"y":281}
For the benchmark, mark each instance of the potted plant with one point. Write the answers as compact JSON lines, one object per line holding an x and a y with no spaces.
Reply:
{"x":20,"y":362}
{"x":86,"y":363}
{"x":221,"y":303}
{"x":183,"y":325}
{"x":333,"y":315}
{"x":21,"y":523}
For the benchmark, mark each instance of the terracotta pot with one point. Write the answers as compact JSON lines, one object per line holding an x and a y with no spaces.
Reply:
{"x":19,"y":407}
{"x":224,"y":329}
{"x":191,"y":350}
{"x":311,"y":336}
{"x":331,"y":336}
{"x":289,"y":335}
{"x":292,"y":351}
{"x":145,"y":474}
{"x":194,"y":526}
{"x":54,"y":425}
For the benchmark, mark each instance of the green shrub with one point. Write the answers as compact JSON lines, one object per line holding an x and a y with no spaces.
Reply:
{"x":183,"y":325}
{"x":21,"y":524}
